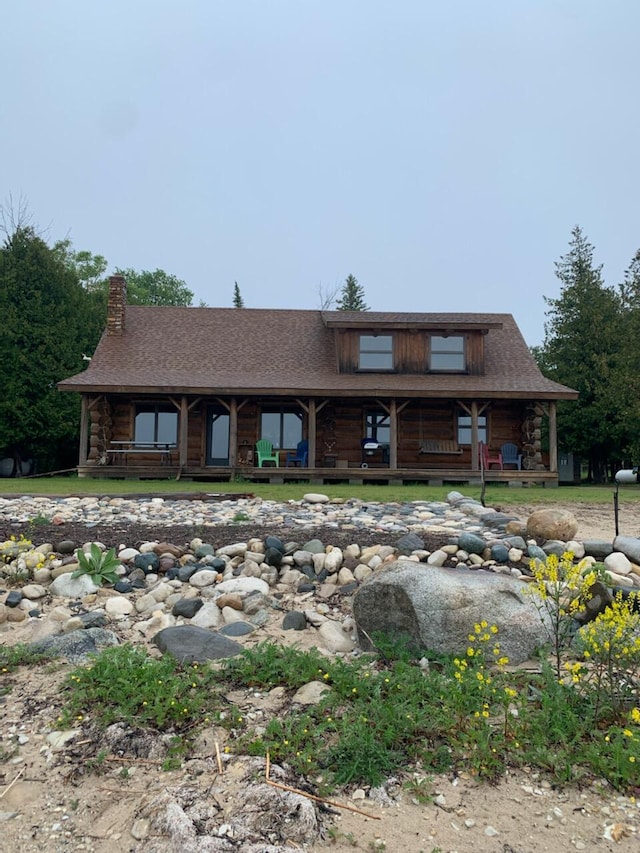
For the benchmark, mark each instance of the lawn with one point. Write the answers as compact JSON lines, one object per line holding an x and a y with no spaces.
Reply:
{"x":495,"y":494}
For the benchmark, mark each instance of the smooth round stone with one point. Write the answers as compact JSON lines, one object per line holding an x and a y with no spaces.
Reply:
{"x":186,"y":572}
{"x":187,"y":607}
{"x":616,"y":562}
{"x":555,"y":547}
{"x":147,"y":562}
{"x":313,"y":546}
{"x":273,"y":556}
{"x":515,"y":555}
{"x":274,"y":542}
{"x":13,"y":599}
{"x":237,"y":629}
{"x":205,"y":577}
{"x":576,"y":548}
{"x":118,"y":607}
{"x":33,"y":591}
{"x":204,"y":550}
{"x":536,"y":553}
{"x":294,"y":621}
{"x":437,"y":558}
{"x":499,"y":553}
{"x":128,"y":554}
{"x":315,"y":498}
{"x":471,"y":543}
{"x":67,"y":546}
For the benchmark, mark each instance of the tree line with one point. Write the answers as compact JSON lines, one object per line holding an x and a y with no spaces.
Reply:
{"x":53,"y":304}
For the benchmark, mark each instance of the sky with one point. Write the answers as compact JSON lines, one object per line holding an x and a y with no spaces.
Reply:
{"x":441,"y":152}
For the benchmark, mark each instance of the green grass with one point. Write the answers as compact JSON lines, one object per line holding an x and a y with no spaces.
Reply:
{"x":500,"y":495}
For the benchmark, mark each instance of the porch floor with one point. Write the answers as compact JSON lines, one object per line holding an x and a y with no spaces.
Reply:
{"x":319,"y":476}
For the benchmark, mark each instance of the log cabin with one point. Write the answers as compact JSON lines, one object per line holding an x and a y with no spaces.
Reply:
{"x":391,"y":397}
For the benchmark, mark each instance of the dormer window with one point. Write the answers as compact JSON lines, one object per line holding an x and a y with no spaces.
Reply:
{"x":376,"y":352}
{"x":447,"y":353}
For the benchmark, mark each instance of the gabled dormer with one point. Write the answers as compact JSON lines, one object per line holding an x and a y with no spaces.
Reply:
{"x":374,"y":342}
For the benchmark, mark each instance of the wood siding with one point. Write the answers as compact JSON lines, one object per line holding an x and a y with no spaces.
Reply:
{"x":411,"y":349}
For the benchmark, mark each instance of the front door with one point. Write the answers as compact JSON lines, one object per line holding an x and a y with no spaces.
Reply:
{"x":217,"y":436}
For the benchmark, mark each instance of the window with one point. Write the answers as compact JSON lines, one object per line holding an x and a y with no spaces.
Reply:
{"x":283,"y":429}
{"x":464,"y":429}
{"x":377,"y":426}
{"x":156,"y":424}
{"x":376,"y":352}
{"x":447,"y":353}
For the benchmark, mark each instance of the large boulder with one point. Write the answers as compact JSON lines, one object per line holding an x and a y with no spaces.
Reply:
{"x":437,"y":608}
{"x":552,"y":524}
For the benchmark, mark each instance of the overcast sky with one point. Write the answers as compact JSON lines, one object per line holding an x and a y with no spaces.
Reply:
{"x":439,"y":151}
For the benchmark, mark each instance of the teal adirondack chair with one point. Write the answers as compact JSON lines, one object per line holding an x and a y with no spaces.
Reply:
{"x":264,"y":449}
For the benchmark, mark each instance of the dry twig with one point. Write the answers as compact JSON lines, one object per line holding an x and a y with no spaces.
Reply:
{"x":312,"y":796}
{"x":11,"y":784}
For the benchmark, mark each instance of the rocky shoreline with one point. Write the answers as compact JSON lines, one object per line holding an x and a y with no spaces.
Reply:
{"x":205,"y":579}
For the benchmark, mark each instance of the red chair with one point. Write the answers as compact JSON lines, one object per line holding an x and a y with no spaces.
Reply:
{"x":489,"y":458}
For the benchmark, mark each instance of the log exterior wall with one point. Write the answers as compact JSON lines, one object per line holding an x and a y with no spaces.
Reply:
{"x":340,"y":428}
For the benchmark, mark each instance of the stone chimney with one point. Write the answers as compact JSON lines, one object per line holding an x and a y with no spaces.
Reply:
{"x":116,"y":304}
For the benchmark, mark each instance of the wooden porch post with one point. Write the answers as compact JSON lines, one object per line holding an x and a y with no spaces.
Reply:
{"x":84,"y":430}
{"x":393,"y":434}
{"x":553,"y":437}
{"x":233,"y":432}
{"x":312,"y":433}
{"x":184,"y":431}
{"x":475,"y":459}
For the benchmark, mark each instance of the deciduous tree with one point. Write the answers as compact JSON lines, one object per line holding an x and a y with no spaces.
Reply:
{"x":155,"y":288}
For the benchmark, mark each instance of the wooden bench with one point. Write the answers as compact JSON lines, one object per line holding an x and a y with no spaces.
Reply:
{"x":122,"y":449}
{"x":440,"y":445}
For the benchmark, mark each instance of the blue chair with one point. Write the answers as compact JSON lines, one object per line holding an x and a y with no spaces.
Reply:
{"x":510,"y":455}
{"x":301,"y":456}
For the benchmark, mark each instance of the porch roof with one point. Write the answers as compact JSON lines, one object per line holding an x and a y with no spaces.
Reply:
{"x":292,"y":352}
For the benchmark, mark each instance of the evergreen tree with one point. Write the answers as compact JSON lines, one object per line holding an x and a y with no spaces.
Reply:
{"x":352,"y":296}
{"x":628,"y":384}
{"x":49,"y":320}
{"x":581,"y":350}
{"x":238,"y":301}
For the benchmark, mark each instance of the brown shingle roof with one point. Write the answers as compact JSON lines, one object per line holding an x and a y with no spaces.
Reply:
{"x":249,"y":350}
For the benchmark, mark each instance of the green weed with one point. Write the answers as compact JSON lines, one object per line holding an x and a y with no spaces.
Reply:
{"x":124,"y":684}
{"x":100,"y":566}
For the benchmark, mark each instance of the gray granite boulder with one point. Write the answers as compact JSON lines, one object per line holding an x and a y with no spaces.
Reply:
{"x":77,"y":645}
{"x":438,"y":607}
{"x":190,"y":644}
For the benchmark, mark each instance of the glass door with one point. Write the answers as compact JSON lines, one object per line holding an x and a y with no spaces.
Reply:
{"x":217,"y":436}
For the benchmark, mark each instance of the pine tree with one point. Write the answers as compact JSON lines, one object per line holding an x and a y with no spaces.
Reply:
{"x":581,"y":350}
{"x":352,"y":296}
{"x":628,"y":384}
{"x":238,"y":301}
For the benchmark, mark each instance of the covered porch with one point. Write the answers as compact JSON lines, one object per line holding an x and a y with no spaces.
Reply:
{"x":369,"y":439}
